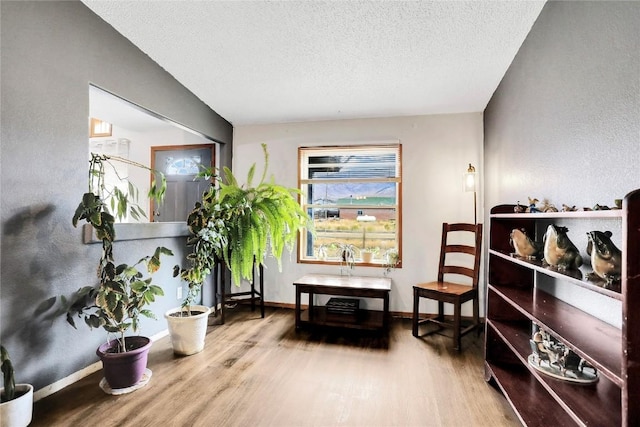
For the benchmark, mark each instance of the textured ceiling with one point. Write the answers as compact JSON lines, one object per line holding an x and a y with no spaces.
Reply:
{"x":274,"y":62}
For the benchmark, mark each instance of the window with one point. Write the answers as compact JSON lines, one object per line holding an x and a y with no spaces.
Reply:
{"x":353,"y":194}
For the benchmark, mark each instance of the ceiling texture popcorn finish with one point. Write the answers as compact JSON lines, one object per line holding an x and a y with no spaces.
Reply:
{"x":257,"y":62}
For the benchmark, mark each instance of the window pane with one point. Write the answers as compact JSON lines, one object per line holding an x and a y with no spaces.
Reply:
{"x":346,"y":195}
{"x":353,"y":166}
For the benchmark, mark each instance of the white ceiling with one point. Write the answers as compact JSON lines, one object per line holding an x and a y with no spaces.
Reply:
{"x":287,"y":61}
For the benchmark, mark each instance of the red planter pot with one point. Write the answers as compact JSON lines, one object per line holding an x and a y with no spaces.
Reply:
{"x":122,"y":370}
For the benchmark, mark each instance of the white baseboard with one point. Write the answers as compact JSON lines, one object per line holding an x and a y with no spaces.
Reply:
{"x":78,"y":375}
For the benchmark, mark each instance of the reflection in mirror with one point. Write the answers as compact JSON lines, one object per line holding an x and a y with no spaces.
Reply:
{"x":134,"y":131}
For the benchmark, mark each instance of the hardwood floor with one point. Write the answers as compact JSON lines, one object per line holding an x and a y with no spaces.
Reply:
{"x":260,"y":372}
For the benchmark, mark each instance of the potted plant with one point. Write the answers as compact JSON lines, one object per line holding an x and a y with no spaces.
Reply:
{"x":391,"y":260}
{"x":16,"y":400}
{"x":188,"y":323}
{"x":367,"y":254}
{"x":347,"y":253}
{"x":122,"y":294}
{"x":239,"y":225}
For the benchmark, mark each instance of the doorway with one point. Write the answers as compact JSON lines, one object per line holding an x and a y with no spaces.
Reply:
{"x":180,"y":165}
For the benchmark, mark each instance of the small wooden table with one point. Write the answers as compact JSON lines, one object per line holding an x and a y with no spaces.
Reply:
{"x":349,"y":286}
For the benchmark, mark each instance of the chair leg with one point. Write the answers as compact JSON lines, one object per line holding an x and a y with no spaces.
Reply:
{"x":440,"y":316}
{"x":416,"y":306}
{"x":476,"y":315}
{"x":456,"y":326}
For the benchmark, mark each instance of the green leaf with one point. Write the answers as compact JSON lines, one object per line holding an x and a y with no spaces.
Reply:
{"x":138,"y":286}
{"x":252,"y":170}
{"x":229,"y":178}
{"x":148,"y":313}
{"x":156,"y":290}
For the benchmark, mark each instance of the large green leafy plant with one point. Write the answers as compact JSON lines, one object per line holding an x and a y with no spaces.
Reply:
{"x":240,"y":225}
{"x":123,"y":293}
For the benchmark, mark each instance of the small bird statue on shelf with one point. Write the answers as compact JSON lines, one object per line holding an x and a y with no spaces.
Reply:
{"x":559,"y":251}
{"x":532,"y":206}
{"x":606,"y":258}
{"x":523,"y":245}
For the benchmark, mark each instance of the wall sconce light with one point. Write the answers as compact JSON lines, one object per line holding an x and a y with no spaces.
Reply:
{"x":469,"y":182}
{"x":99,"y":128}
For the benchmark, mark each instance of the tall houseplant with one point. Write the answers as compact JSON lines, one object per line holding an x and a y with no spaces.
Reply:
{"x":122,"y":294}
{"x":240,"y":224}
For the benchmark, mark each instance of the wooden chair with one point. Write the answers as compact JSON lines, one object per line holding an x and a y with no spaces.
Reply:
{"x":452,"y":292}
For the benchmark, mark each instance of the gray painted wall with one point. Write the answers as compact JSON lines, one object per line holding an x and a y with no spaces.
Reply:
{"x":51,"y":51}
{"x":564,"y":124}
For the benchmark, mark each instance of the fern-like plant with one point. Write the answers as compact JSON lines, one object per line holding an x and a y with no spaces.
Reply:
{"x":241,"y":224}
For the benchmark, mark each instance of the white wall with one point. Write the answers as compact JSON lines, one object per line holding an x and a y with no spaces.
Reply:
{"x":436,"y":151}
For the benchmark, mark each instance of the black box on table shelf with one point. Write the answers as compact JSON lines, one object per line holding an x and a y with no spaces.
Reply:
{"x":343,"y":305}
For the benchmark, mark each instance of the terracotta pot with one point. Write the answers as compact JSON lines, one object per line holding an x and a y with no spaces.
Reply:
{"x":188,"y":332}
{"x":366,"y":257}
{"x":122,"y":370}
{"x":17,"y":412}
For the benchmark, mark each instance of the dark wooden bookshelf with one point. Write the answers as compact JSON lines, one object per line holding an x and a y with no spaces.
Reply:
{"x":515,"y":303}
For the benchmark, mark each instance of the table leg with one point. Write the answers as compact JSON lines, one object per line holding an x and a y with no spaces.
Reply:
{"x":297,"y":308}
{"x":311,"y":310}
{"x":385,"y":313}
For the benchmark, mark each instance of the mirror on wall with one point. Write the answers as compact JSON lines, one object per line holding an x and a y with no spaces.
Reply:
{"x":136,"y":134}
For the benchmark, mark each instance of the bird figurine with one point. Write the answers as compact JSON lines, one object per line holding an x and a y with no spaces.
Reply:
{"x":548,"y":207}
{"x":523,"y":245}
{"x":606,"y":258}
{"x":558,"y":250}
{"x":532,"y":206}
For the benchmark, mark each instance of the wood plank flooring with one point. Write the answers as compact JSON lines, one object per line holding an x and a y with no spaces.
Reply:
{"x":260,"y":372}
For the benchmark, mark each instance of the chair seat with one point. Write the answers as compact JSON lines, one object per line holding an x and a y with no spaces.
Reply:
{"x":446,"y":288}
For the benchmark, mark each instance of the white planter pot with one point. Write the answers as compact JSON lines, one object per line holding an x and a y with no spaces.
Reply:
{"x":18,"y":412}
{"x":188,"y":332}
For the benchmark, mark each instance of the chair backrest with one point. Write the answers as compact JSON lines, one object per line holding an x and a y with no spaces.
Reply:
{"x":471,"y":270}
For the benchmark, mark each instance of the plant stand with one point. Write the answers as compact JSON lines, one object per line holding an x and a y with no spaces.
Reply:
{"x":236,"y":297}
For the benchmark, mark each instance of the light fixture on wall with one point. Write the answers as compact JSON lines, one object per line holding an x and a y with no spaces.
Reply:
{"x":470,"y":185}
{"x":99,"y":128}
